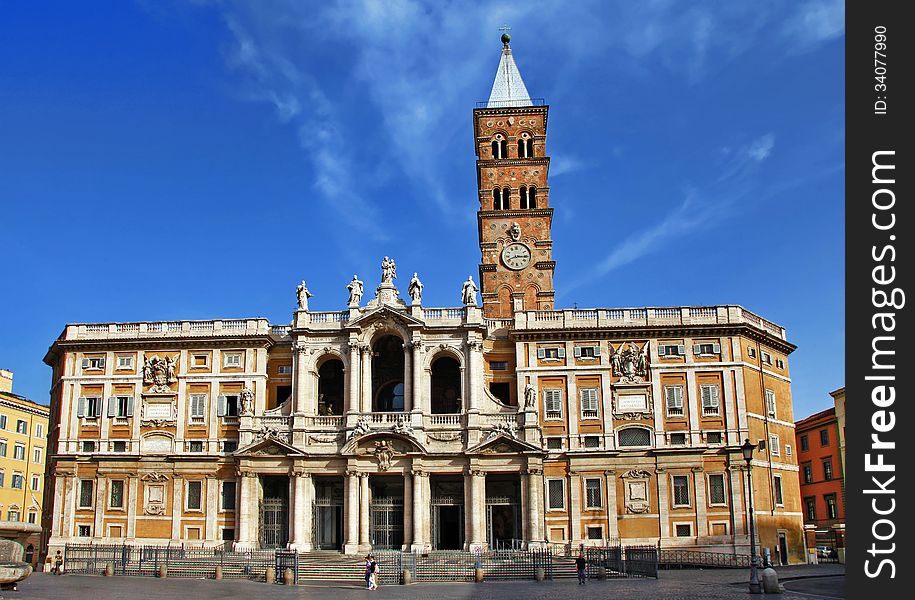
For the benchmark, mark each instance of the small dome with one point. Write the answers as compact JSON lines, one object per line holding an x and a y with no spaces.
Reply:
{"x":506,"y":38}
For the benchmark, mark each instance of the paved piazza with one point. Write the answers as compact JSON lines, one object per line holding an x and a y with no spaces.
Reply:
{"x":687,"y":584}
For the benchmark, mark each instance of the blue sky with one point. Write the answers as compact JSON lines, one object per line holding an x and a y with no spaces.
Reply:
{"x":194,"y":160}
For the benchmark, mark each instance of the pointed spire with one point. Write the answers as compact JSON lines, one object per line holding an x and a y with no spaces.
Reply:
{"x":508,"y":88}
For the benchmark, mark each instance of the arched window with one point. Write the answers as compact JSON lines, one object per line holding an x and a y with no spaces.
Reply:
{"x":503,"y":149}
{"x":495,"y":149}
{"x":634,"y":436}
{"x":446,"y":385}
{"x":497,"y":199}
{"x":506,"y":199}
{"x":29,"y":553}
{"x":532,"y":197}
{"x":499,"y":146}
{"x":387,"y":374}
{"x":522,"y":197}
{"x":525,"y":146}
{"x":330,"y":387}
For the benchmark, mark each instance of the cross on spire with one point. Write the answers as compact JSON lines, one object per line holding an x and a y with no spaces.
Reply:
{"x":505,"y":28}
{"x":505,"y":37}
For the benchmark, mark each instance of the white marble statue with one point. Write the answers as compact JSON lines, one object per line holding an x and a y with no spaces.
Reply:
{"x":530,"y":395}
{"x":355,"y":291}
{"x":302,"y":295}
{"x":469,"y":292}
{"x":415,"y":289}
{"x":388,"y":270}
{"x":247,"y":402}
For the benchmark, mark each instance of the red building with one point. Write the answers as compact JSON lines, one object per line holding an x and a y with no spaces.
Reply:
{"x":822,"y":482}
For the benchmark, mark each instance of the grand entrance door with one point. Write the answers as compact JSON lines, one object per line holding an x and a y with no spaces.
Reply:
{"x":274,"y":512}
{"x":447,"y":523}
{"x":503,"y":525}
{"x":328,"y":514}
{"x":386,"y":523}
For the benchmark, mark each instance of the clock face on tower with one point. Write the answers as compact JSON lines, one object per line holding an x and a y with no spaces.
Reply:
{"x":516,"y":256}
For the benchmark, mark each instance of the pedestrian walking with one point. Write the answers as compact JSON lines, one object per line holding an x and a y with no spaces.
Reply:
{"x":374,"y":578}
{"x":581,"y":566}
{"x":368,"y":571}
{"x":58,"y":563}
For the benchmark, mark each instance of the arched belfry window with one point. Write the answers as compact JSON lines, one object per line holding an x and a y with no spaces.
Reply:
{"x":522,"y":195}
{"x":506,"y":199}
{"x":532,"y":197}
{"x":525,"y":146}
{"x":499,"y":146}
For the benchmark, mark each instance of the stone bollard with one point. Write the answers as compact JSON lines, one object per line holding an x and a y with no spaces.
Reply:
{"x":601,"y":573}
{"x":478,"y":575}
{"x":407,"y":577}
{"x":163,"y":571}
{"x":109,"y":570}
{"x":539,"y":574}
{"x":770,"y":581}
{"x":218,"y":572}
{"x":288,"y":577}
{"x":270,"y":575}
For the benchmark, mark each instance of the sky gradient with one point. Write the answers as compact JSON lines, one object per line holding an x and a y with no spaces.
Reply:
{"x":195,"y":160}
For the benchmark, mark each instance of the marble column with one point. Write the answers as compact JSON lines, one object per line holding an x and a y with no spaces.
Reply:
{"x":421,"y":526}
{"x":302,"y":492}
{"x":246,"y":512}
{"x":475,"y":505}
{"x":408,"y":505}
{"x":351,"y":510}
{"x":407,"y":377}
{"x":418,"y":387}
{"x":352,"y":402}
{"x":535,"y":534}
{"x":366,"y":379}
{"x":365,"y":543}
{"x":301,"y":381}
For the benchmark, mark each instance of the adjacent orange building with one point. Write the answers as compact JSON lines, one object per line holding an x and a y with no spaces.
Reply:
{"x":822,"y":479}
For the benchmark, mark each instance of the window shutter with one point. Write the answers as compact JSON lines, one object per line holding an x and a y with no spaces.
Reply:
{"x":81,"y":408}
{"x":101,"y":363}
{"x":662,"y":350}
{"x":577,"y":351}
{"x":112,"y":406}
{"x":716,"y":348}
{"x":715,"y":396}
{"x":220,"y":406}
{"x":85,"y":363}
{"x":681,"y":350}
{"x":697,"y":348}
{"x":597,"y":350}
{"x":562,"y":353}
{"x":130,"y":406}
{"x":98,"y":407}
{"x":541,"y":352}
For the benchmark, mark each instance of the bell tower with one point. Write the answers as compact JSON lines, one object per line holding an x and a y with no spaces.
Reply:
{"x":514,"y":220}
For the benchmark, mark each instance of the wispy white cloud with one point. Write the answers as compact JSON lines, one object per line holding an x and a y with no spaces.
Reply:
{"x":813,"y":23}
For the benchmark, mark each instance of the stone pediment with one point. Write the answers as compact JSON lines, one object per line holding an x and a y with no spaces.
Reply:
{"x":370,"y":443}
{"x":503,"y":444}
{"x":384,"y":313}
{"x":268,"y":446}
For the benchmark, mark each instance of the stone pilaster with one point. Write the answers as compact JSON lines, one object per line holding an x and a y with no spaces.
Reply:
{"x":612,"y":510}
{"x":365,"y":543}
{"x":408,"y":377}
{"x":352,"y":379}
{"x":301,"y":378}
{"x":100,"y":506}
{"x":475,"y":506}
{"x":701,"y":510}
{"x":303,"y":498}
{"x":739,"y":508}
{"x":474,"y":374}
{"x":177,"y":506}
{"x":419,"y":390}
{"x":212,"y":508}
{"x":572,"y":412}
{"x":132,"y":500}
{"x":693,"y":402}
{"x":575,"y":507}
{"x":422,"y":533}
{"x":366,"y":406}
{"x":663,"y":503}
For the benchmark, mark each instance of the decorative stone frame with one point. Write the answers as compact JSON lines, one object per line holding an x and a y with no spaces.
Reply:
{"x":622,"y":412}
{"x":636,"y":491}
{"x":708,"y":488}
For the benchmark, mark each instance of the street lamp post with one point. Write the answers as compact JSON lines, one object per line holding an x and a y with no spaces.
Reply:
{"x":747,"y":450}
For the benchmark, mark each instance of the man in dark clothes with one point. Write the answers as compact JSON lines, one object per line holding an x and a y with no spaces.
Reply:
{"x":581,"y":566}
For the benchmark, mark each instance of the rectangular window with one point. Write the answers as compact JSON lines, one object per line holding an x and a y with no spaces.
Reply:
{"x":673,"y":395}
{"x":805,"y":445}
{"x":193,"y":495}
{"x":116,"y":497}
{"x":770,"y":403}
{"x":3,"y":422}
{"x":713,"y":437}
{"x":678,"y":439}
{"x":2,"y":477}
{"x":228,"y":495}
{"x":85,"y":493}
{"x":12,"y":515}
{"x":811,"y":506}
{"x":706,"y":349}
{"x":120,"y":406}
{"x":716,"y":494}
{"x":231,"y":360}
{"x":684,"y":529}
{"x":824,"y":437}
{"x":125,"y":362}
{"x":751,"y":352}
{"x":284,"y":370}
{"x":17,"y":481}
{"x":84,"y":530}
{"x":36,"y":483}
{"x":93,"y":363}
{"x":587,"y":351}
{"x":19,"y":452}
{"x":552,"y":403}
{"x":681,"y":490}
{"x":551,"y":353}
{"x":33,"y":517}
{"x":39,"y":430}
{"x":36,"y":455}
{"x":88,"y":446}
{"x":671,"y":350}
{"x":22,"y":427}
{"x":195,"y":446}
{"x":592,"y":441}
{"x":788,"y":450}
{"x":592,"y":493}
{"x":227,"y":405}
{"x":229,"y":446}
{"x":498,"y":365}
{"x":120,"y":446}
{"x":827,"y":469}
{"x":2,"y":447}
{"x":200,"y":361}
{"x":767,"y":358}
{"x":779,"y":363}
{"x":595,"y":533}
{"x":228,"y":534}
{"x":777,"y":490}
{"x":198,"y":408}
{"x":554,"y":443}
{"x":89,"y":407}
{"x":589,"y":404}
{"x":774,"y":445}
{"x":711,"y":399}
{"x":555,"y":494}
{"x":832,"y":509}
{"x":808,"y":473}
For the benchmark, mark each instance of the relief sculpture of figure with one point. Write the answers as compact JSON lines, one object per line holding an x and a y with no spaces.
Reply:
{"x":302,"y":295}
{"x":415,"y":289}
{"x":530,"y":395}
{"x":170,"y":364}
{"x":630,"y":363}
{"x":469,"y":292}
{"x":247,"y":402}
{"x":515,"y":232}
{"x":355,"y":291}
{"x":388,"y":270}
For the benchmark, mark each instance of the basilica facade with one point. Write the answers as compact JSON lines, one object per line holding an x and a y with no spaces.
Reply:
{"x":502,"y":422}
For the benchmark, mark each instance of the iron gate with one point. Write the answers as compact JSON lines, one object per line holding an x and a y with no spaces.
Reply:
{"x":503,"y":523}
{"x":447,"y":502}
{"x":327,"y":523}
{"x":386,"y":523}
{"x":274,"y":523}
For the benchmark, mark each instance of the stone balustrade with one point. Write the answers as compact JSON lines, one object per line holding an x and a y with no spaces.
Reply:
{"x":166,"y":329}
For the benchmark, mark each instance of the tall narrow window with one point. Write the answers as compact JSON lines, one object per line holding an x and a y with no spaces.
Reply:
{"x":116,"y":499}
{"x":85,"y":493}
{"x":777,"y":488}
{"x":495,"y":149}
{"x":506,"y":199}
{"x":503,"y":149}
{"x":522,"y":196}
{"x":532,"y":197}
{"x":497,"y":199}
{"x":592,"y":493}
{"x":681,"y":490}
{"x":194,"y":489}
{"x":555,"y":494}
